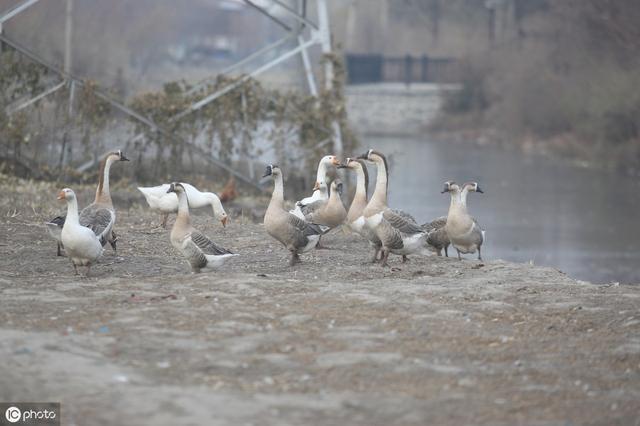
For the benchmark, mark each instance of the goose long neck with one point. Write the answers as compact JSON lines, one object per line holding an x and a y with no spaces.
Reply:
{"x":321,"y":175}
{"x":72,"y":211}
{"x":361,"y":185}
{"x":458,"y":204}
{"x":277,"y":197}
{"x":183,"y":208}
{"x":103,"y":195}
{"x":380,"y":193}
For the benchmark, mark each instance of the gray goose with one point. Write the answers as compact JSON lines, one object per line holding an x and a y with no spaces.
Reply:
{"x":99,"y":216}
{"x":296,"y":234}
{"x":463,"y":230}
{"x":397,"y":231}
{"x":437,"y":237}
{"x":202,"y":254}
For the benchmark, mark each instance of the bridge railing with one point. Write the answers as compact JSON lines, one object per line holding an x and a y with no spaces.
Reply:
{"x":365,"y":68}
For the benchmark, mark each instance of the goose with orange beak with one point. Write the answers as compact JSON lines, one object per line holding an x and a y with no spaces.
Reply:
{"x":320,"y":187}
{"x":81,"y":244}
{"x":164,"y":202}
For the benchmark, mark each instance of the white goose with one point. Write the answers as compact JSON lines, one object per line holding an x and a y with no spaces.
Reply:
{"x":81,"y":244}
{"x":99,"y":216}
{"x":320,"y":187}
{"x":166,"y":202}
{"x":202,"y":254}
{"x":397,"y":231}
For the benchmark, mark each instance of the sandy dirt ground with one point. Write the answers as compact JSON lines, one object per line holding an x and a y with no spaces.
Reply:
{"x":332,"y":341}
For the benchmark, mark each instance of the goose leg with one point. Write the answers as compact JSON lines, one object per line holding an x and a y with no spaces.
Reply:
{"x":163,"y":223}
{"x":86,"y":274}
{"x":479,"y":255}
{"x":459,"y":257}
{"x":385,"y":257}
{"x":59,"y":249}
{"x":112,"y":242}
{"x":446,"y":250}
{"x":319,"y":245}
{"x":75,"y":268}
{"x":295,"y":258}
{"x":374,"y":259}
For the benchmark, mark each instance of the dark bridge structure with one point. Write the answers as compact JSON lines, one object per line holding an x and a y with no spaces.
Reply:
{"x":376,"y":68}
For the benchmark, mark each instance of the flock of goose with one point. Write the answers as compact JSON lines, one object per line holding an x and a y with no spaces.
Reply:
{"x":389,"y":231}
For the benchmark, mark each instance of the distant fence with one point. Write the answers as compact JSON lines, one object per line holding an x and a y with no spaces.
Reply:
{"x":408,"y":69}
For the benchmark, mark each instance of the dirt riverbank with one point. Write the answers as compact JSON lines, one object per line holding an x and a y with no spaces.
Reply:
{"x":331,"y":341}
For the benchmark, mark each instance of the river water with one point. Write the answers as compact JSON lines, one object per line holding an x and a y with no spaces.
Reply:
{"x":534,"y":209}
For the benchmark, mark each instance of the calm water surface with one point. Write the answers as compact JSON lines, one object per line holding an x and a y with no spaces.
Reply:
{"x":581,"y":221}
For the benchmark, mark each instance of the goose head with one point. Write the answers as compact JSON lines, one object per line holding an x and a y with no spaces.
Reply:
{"x":218,"y":210}
{"x":330,"y":160}
{"x":176,"y":187}
{"x":66,"y":194}
{"x":472,"y":187}
{"x":272,"y":170}
{"x":450,"y":186}
{"x":117,"y":156}
{"x":327,"y":160}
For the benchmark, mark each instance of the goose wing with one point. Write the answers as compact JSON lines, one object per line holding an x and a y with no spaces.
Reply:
{"x":305,"y":228}
{"x":193,"y":253}
{"x":401,"y":221}
{"x":435,"y":224}
{"x":205,"y":245}
{"x":99,"y":219}
{"x":155,"y":191}
{"x":309,"y":210}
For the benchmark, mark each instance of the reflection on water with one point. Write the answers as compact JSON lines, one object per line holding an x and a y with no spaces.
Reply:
{"x":580,"y":221}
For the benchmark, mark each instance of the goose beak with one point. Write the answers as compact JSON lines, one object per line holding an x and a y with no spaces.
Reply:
{"x":479,"y":190}
{"x":224,"y":221}
{"x":123,"y":158}
{"x":316,"y":186}
{"x":335,"y":161}
{"x":61,"y":195}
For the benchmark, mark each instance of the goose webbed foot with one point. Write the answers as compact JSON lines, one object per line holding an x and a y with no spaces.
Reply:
{"x":405,"y":259}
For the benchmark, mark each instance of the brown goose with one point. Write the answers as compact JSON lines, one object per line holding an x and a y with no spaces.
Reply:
{"x":202,"y":254}
{"x":397,"y":231}
{"x":330,"y":212}
{"x":463,"y":230}
{"x":296,"y":234}
{"x":359,"y":201}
